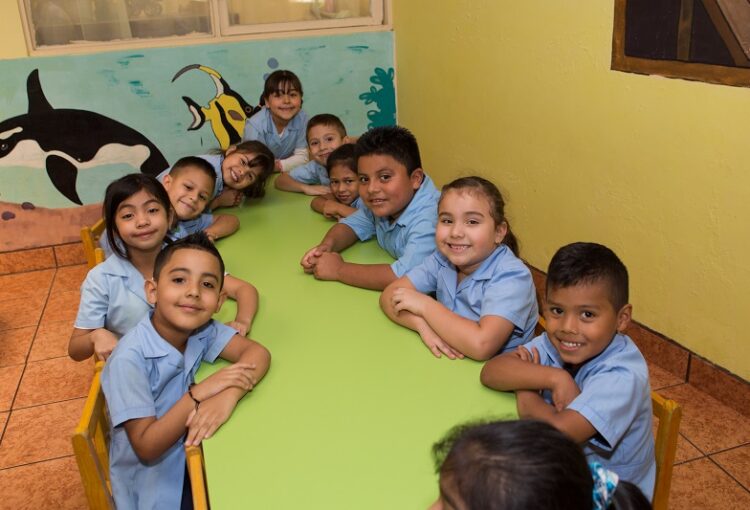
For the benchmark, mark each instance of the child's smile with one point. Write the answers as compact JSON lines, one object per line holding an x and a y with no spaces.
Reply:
{"x":385,"y":185}
{"x":141,"y":221}
{"x":238,"y":171}
{"x":189,"y":192}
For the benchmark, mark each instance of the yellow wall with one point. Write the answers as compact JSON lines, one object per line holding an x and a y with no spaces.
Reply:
{"x":655,"y":168}
{"x":12,"y":44}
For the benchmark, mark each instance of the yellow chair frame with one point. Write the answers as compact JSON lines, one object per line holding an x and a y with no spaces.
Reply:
{"x":197,"y":472}
{"x":91,"y":446}
{"x":669,"y":413}
{"x":90,"y":237}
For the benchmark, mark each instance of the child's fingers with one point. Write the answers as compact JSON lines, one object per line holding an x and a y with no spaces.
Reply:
{"x":535,"y":355}
{"x":190,"y":418}
{"x":436,"y":351}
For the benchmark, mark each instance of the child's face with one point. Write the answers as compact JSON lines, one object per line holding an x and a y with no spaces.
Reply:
{"x":581,"y":321}
{"x":344,"y":184}
{"x":284,"y":105}
{"x":141,"y":221}
{"x":466,"y":233}
{"x":189,"y":192}
{"x":187,"y":293}
{"x":385,"y":185}
{"x":323,"y":140}
{"x":236,"y":170}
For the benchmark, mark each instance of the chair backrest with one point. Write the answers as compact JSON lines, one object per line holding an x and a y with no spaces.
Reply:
{"x":89,"y":238}
{"x":669,"y":414}
{"x":197,"y":473}
{"x":91,"y":446}
{"x":541,"y":326}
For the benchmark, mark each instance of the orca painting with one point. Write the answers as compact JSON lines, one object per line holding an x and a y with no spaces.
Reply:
{"x":64,"y":141}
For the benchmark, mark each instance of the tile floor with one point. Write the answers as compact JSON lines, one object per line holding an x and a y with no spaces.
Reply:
{"x":42,"y":393}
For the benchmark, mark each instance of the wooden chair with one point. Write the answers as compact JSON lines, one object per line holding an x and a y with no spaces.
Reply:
{"x":90,"y":237}
{"x":91,"y":446}
{"x":541,"y":326}
{"x":669,"y":414}
{"x":197,"y":473}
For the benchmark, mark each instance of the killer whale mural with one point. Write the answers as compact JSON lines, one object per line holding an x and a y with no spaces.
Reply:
{"x":64,"y":141}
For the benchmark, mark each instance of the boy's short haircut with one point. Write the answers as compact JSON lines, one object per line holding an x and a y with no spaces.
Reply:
{"x":196,"y":241}
{"x":587,"y":263}
{"x":342,"y":156}
{"x":394,"y":141}
{"x":195,"y":162}
{"x":325,"y":119}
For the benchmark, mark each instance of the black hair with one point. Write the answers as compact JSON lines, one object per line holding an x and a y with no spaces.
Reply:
{"x":325,"y":119}
{"x":343,"y":155}
{"x":120,"y":190}
{"x":628,"y":496}
{"x":195,"y":241}
{"x":281,"y":81}
{"x":264,"y":159}
{"x":478,"y":185}
{"x":394,"y":141}
{"x":194,"y":162}
{"x":587,"y":263}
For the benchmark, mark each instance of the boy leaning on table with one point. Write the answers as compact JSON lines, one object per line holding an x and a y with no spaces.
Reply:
{"x":155,"y":408}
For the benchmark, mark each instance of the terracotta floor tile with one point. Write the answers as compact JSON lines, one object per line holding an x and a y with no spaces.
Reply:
{"x":661,"y":378}
{"x":702,"y":484}
{"x":14,"y":345}
{"x":51,"y":340}
{"x":706,"y":422}
{"x":3,"y":420}
{"x":69,"y":278}
{"x":685,"y":450}
{"x":21,"y":312}
{"x":62,"y":306}
{"x":40,"y":433}
{"x":50,"y":484}
{"x":14,"y":286}
{"x":9,"y":378}
{"x":737,"y":463}
{"x":53,"y":380}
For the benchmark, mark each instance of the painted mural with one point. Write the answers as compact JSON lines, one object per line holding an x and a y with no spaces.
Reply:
{"x":73,"y":124}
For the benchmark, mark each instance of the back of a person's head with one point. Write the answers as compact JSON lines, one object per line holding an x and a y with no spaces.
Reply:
{"x":394,"y":141}
{"x":586,"y":264}
{"x":326,"y":119}
{"x":515,"y":465}
{"x":195,"y":162}
{"x":196,"y":241}
{"x":343,"y":155}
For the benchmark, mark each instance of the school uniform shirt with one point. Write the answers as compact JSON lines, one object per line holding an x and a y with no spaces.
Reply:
{"x":112,"y":297}
{"x":215,"y":161}
{"x":145,"y":376}
{"x":411,"y":237}
{"x":311,"y":172}
{"x":261,"y":127}
{"x":616,"y":399}
{"x":187,"y":227}
{"x":501,"y":285}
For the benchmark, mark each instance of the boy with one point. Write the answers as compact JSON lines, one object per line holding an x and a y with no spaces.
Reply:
{"x":593,"y":379}
{"x":401,"y":210}
{"x":325,"y":133}
{"x":154,"y":408}
{"x":343,"y":199}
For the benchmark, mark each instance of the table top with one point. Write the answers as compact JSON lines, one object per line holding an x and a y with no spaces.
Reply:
{"x":347,"y":415}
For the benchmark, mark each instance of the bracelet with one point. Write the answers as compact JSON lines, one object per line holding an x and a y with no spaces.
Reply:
{"x":190,"y":392}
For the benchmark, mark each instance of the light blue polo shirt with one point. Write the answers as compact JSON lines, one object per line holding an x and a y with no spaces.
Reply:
{"x":409,"y":239}
{"x":112,"y":297}
{"x":311,"y":172}
{"x":616,"y":399}
{"x":501,"y":285}
{"x":145,"y":376}
{"x":215,"y":161}
{"x":185,"y":228}
{"x":261,"y":127}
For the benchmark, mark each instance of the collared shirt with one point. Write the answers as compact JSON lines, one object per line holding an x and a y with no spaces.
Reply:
{"x":411,"y":237}
{"x":145,"y":376}
{"x":187,"y":227}
{"x":311,"y":172}
{"x":616,"y":399}
{"x":501,"y":285}
{"x":261,"y":127}
{"x":112,"y":297}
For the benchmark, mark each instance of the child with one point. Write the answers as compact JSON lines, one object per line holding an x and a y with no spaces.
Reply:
{"x":281,"y":123}
{"x":401,"y":211}
{"x":486,"y":300}
{"x":137,"y":214}
{"x":325,"y":133}
{"x":593,"y":379}
{"x":517,"y":465}
{"x":155,"y":408}
{"x":343,"y":199}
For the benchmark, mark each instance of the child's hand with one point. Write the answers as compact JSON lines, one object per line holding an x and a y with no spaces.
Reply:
{"x":331,"y":210}
{"x":564,"y":390}
{"x":437,"y":345}
{"x":316,"y":190}
{"x":228,"y":198}
{"x":409,"y":300}
{"x":211,"y":415}
{"x":523,"y":353}
{"x":239,"y":375}
{"x":242,"y":326}
{"x":277,"y":166}
{"x":327,"y":266}
{"x":104,"y":341}
{"x":310,"y":259}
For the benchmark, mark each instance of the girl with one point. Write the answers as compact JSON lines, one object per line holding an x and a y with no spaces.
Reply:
{"x":281,"y":123}
{"x":137,"y":214}
{"x":486,"y":300}
{"x":344,"y":197}
{"x":524,"y":464}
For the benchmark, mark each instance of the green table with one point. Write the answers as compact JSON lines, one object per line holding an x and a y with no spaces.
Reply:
{"x":348,"y":412}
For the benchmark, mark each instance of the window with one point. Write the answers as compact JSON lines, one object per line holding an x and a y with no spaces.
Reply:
{"x":64,"y":24}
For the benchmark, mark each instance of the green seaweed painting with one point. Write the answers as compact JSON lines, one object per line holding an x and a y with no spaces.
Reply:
{"x":384,"y":98}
